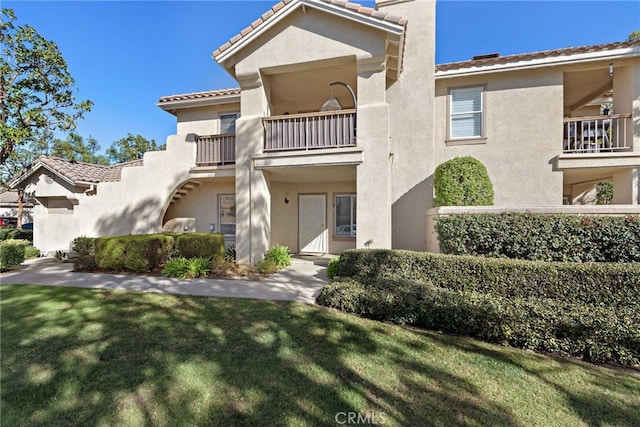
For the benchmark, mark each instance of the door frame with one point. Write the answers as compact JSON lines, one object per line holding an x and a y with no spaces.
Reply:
{"x":325,"y":218}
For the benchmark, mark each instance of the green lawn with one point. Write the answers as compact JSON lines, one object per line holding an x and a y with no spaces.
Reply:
{"x":87,"y":357}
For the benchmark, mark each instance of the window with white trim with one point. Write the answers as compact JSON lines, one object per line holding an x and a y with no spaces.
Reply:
{"x":227,"y":214}
{"x":228,"y":123}
{"x":466,"y":110}
{"x":345,"y":215}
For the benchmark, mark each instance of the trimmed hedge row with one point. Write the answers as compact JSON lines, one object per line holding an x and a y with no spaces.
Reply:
{"x":594,"y":333}
{"x":610,"y":284}
{"x":541,"y":237}
{"x":149,"y":252}
{"x":200,"y":245}
{"x":14,"y":233}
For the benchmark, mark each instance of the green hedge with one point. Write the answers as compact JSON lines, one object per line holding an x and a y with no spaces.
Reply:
{"x":541,"y":237}
{"x":611,"y":284}
{"x":12,"y":252}
{"x":14,"y":233}
{"x":462,"y":181}
{"x":200,"y":245}
{"x":135,"y":253}
{"x":593,"y":332}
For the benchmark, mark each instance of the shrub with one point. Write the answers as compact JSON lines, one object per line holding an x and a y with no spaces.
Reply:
{"x":280,"y":256}
{"x":462,"y":181}
{"x":200,"y":245}
{"x":592,"y":332}
{"x":604,"y":192}
{"x":332,"y":268}
{"x":11,"y":253}
{"x":267,"y":266}
{"x":14,"y":233}
{"x":609,"y":284}
{"x":85,"y":263}
{"x":31,"y":252}
{"x":136,"y":253}
{"x":541,"y":237}
{"x":187,"y":267}
{"x":230,"y":253}
{"x":83,"y":245}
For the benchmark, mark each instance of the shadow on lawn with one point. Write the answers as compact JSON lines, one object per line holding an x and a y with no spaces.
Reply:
{"x":99,"y":357}
{"x":595,"y":409}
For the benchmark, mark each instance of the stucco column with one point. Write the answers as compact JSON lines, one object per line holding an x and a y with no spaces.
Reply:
{"x":373,"y":175}
{"x":253,"y":218}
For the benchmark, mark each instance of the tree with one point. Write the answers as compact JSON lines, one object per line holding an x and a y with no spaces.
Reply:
{"x":131,"y":148}
{"x":36,"y":88}
{"x":75,"y":148}
{"x":462,"y":181}
{"x":633,"y":36}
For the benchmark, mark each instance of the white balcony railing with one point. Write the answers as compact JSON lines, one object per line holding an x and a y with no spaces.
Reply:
{"x":213,"y":150}
{"x":597,"y":134}
{"x":332,"y":129}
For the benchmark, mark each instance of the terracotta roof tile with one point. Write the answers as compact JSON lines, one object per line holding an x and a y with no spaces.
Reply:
{"x":499,"y":60}
{"x":79,"y":172}
{"x":355,"y":7}
{"x":199,"y":95}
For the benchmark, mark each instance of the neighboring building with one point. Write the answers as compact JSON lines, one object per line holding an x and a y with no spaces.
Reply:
{"x":278,"y":162}
{"x":9,"y":206}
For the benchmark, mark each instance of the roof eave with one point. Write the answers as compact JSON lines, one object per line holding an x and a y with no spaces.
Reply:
{"x":172,"y":106}
{"x":291,"y":7}
{"x":543,"y":62}
{"x":16,"y":181}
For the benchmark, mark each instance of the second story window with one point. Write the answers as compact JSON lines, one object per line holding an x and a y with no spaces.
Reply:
{"x":228,"y":123}
{"x":466,"y":111}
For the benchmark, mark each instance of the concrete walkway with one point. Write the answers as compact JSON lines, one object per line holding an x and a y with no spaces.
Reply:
{"x":301,"y":281}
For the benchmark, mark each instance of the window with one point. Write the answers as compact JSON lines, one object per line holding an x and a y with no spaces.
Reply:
{"x":227,"y":214}
{"x":228,"y":123}
{"x":466,"y":113}
{"x":345,"y":216}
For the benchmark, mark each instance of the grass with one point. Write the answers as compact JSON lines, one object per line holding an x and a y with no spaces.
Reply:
{"x":78,"y":357}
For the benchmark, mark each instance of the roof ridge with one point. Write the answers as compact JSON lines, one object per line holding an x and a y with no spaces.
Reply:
{"x":268,"y":15}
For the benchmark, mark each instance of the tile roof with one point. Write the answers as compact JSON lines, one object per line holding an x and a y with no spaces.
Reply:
{"x":8,"y":196}
{"x":499,"y":60}
{"x":353,"y":7}
{"x":78,"y":172}
{"x":199,"y":95}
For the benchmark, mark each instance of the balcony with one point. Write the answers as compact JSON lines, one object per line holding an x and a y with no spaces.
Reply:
{"x":294,"y":132}
{"x":597,"y":134}
{"x":216,"y":150}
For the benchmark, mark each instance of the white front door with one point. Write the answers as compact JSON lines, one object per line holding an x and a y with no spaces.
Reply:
{"x":312,"y":223}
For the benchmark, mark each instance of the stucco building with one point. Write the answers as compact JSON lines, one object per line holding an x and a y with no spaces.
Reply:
{"x":339,"y":121}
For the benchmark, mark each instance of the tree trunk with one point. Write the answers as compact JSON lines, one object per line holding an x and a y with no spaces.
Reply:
{"x":20,"y":208}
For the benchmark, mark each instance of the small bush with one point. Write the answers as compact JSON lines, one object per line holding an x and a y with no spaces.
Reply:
{"x":186,"y":268}
{"x":136,"y":253}
{"x":31,"y":252}
{"x":230,"y":253}
{"x":200,"y":245}
{"x":83,"y":245}
{"x":267,"y":266}
{"x":85,"y":263}
{"x":541,"y":237}
{"x":332,"y":268}
{"x":280,"y":255}
{"x":11,"y":253}
{"x":462,"y":181}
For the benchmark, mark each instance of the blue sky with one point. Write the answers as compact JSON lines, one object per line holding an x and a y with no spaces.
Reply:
{"x":125,"y":55}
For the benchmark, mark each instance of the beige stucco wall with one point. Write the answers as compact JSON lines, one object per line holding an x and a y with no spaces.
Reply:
{"x":202,"y":204}
{"x":203,"y":120}
{"x":523,"y":114}
{"x":284,"y":224}
{"x":411,"y":122}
